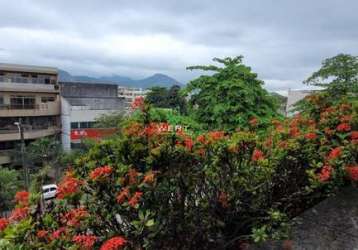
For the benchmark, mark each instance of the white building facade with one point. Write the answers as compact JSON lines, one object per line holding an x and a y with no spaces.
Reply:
{"x":82,"y":104}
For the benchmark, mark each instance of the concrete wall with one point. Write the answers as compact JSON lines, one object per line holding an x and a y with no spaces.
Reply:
{"x":89,"y":90}
{"x":96,"y":103}
{"x":293,"y":97}
{"x":66,"y":124}
{"x":28,"y":87}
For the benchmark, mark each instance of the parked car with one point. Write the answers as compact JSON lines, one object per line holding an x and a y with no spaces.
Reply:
{"x":49,"y":191}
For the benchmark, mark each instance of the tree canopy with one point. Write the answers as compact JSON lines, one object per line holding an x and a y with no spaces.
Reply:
{"x":230,"y":97}
{"x":162,"y":97}
{"x":338,"y":75}
{"x":9,"y":184}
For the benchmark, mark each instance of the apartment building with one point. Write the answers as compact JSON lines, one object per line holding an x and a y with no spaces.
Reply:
{"x":129,"y":94}
{"x":82,"y":104}
{"x":30,"y":95}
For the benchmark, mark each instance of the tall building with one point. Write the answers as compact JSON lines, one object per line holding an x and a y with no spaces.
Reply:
{"x":30,"y":95}
{"x":129,"y":94}
{"x":82,"y":104}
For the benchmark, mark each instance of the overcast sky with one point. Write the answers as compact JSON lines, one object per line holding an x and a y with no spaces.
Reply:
{"x":282,"y":40}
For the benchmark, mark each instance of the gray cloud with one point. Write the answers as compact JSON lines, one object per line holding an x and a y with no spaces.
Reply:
{"x":282,"y":40}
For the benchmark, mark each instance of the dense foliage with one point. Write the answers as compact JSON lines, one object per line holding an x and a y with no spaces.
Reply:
{"x":112,"y":120}
{"x":172,"y":98}
{"x":230,"y":97}
{"x":155,"y":187}
{"x":9,"y":184}
{"x":338,"y":76}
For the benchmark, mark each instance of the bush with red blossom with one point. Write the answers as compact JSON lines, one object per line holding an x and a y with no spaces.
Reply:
{"x":352,"y":172}
{"x":70,"y":185}
{"x":151,"y":188}
{"x":100,"y":173}
{"x":115,"y":243}
{"x":3,"y":223}
{"x":85,"y":242}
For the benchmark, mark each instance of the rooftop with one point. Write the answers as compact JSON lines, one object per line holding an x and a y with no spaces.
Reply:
{"x":27,"y":68}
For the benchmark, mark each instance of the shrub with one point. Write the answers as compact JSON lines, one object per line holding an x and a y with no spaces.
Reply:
{"x":156,"y":189}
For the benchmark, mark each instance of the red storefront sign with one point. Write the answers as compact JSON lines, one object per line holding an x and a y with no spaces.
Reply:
{"x":92,"y":133}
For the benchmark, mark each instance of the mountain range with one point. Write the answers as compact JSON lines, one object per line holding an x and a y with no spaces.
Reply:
{"x":148,"y":82}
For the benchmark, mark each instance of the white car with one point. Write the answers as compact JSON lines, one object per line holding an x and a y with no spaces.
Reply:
{"x":49,"y":191}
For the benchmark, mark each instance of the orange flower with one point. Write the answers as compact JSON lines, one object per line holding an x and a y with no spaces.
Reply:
{"x":276,"y":123}
{"x":354,"y":136}
{"x":138,"y":103}
{"x":343,"y":127}
{"x":345,"y":107}
{"x":310,"y":136}
{"x":132,"y":174}
{"x":283,"y":144}
{"x":41,"y":234}
{"x":101,"y":172}
{"x":311,"y":123}
{"x":135,"y":199}
{"x":22,"y":198}
{"x":152,"y":129}
{"x":115,"y":243}
{"x":19,"y":213}
{"x":188,"y":142}
{"x":352,"y":172}
{"x":268,"y":142}
{"x":123,"y":195}
{"x":68,"y":186}
{"x":216,"y":135}
{"x":346,"y":118}
{"x":253,"y":122}
{"x":3,"y":223}
{"x":330,"y":110}
{"x":85,"y":242}
{"x":257,"y":155}
{"x":335,"y":153}
{"x":74,"y":216}
{"x":57,"y":234}
{"x":325,"y":173}
{"x":201,"y":139}
{"x":294,"y":132}
{"x":329,"y":131}
{"x":149,"y":177}
{"x":135,"y":129}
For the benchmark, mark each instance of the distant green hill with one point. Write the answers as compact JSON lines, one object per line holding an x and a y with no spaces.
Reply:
{"x":154,"y":80}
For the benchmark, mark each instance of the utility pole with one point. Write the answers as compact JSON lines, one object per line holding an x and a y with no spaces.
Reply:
{"x":24,"y":165}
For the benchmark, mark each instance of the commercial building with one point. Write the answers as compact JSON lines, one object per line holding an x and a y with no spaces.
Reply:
{"x":29,"y":95}
{"x":129,"y":94}
{"x":82,"y":104}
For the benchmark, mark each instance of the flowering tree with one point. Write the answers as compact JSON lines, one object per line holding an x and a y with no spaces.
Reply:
{"x":158,"y":189}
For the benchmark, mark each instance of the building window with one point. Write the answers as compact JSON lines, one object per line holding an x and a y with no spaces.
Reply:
{"x":1,"y":100}
{"x":83,"y":125}
{"x":74,"y":125}
{"x":47,"y":99}
{"x":22,"y":102}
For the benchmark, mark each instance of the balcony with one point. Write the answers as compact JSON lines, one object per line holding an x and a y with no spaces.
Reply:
{"x":28,"y":87}
{"x":29,"y":133}
{"x":43,"y":109}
